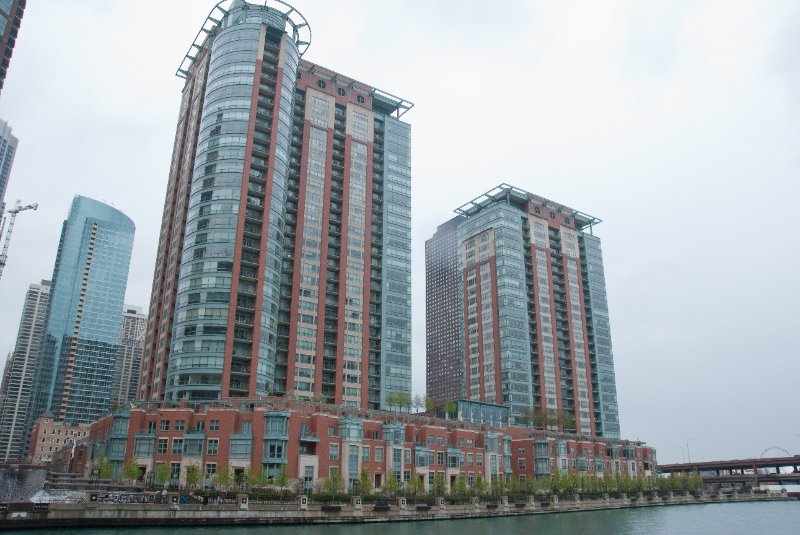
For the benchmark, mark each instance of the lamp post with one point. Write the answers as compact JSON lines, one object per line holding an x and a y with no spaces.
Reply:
{"x":95,"y":476}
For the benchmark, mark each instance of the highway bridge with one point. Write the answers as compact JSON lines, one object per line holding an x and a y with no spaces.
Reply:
{"x":762,"y":471}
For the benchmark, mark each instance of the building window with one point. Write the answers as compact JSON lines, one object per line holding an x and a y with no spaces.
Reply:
{"x":175,"y":471}
{"x":365,"y":453}
{"x":213,"y":425}
{"x":378,"y":454}
{"x":180,"y":425}
{"x":439,"y":457}
{"x":211,"y":470}
{"x":162,"y":446}
{"x":213,"y":446}
{"x":321,"y":84}
{"x":333,"y":452}
{"x":522,"y":463}
{"x":331,"y":431}
{"x":177,"y":446}
{"x":275,"y":450}
{"x":165,"y":425}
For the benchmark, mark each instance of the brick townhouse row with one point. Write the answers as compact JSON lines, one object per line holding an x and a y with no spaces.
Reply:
{"x":314,"y":441}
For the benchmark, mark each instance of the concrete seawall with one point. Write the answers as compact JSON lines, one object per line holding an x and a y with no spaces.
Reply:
{"x":245,"y":512}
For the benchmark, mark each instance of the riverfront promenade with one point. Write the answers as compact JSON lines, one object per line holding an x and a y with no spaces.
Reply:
{"x":244,"y":511}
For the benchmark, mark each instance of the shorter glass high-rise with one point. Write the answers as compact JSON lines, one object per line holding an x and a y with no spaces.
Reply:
{"x":75,"y":370}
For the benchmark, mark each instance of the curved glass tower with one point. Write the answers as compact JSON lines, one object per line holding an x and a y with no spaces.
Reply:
{"x":235,"y":210}
{"x":75,"y":368}
{"x":271,"y":276}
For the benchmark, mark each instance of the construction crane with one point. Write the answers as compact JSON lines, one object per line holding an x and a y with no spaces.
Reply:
{"x":12,"y":215}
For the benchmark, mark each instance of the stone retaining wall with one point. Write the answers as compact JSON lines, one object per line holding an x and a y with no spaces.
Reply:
{"x":95,"y":514}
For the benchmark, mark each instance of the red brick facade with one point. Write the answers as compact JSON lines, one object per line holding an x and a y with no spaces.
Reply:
{"x":313,"y":441}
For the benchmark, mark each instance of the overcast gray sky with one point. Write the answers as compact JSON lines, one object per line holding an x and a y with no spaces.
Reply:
{"x":675,"y":122}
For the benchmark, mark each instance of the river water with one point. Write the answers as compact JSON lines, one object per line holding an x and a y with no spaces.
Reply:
{"x":772,"y":518}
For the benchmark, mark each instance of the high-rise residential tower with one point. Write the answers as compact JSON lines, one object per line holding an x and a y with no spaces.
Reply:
{"x":283,"y":264}
{"x":11,"y":12}
{"x":8,"y":148}
{"x":21,"y":367}
{"x":129,"y":356}
{"x":531,"y":303}
{"x":75,"y":368}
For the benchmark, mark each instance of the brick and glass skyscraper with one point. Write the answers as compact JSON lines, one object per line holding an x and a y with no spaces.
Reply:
{"x":18,"y":388}
{"x":11,"y":12}
{"x":530,"y":302}
{"x":283,"y":264}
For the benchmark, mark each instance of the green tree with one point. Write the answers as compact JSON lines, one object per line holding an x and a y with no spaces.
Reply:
{"x":417,"y":486}
{"x":497,"y":485}
{"x":439,"y":485}
{"x":254,"y":475}
{"x":391,"y":486}
{"x":513,"y":485}
{"x":404,"y":401}
{"x":130,"y":471}
{"x":428,"y":403}
{"x":695,"y":481}
{"x":163,"y":473}
{"x":566,"y":420}
{"x":365,"y":483}
{"x":542,"y":418}
{"x":334,"y":484}
{"x":281,"y":480}
{"x":193,"y":475}
{"x":391,"y":400}
{"x":459,"y":487}
{"x":450,"y":408}
{"x":223,"y":477}
{"x":104,"y":468}
{"x":481,"y":486}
